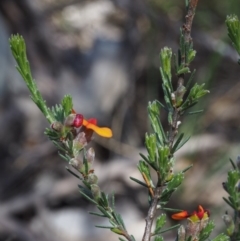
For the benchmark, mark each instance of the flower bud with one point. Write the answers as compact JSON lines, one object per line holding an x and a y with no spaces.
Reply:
{"x":57,"y":126}
{"x":78,"y":121}
{"x":229,"y":224}
{"x":96,"y":192}
{"x":74,"y":120}
{"x":69,"y":120}
{"x":179,"y":93}
{"x":90,"y":155}
{"x":92,"y":178}
{"x":79,"y":143}
{"x":193,"y":229}
{"x":76,"y":163}
{"x":181,"y":233}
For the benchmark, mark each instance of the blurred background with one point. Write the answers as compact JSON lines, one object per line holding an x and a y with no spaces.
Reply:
{"x":105,"y":53}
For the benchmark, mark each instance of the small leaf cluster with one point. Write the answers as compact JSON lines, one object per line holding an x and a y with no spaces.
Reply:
{"x":106,"y":207}
{"x":177,"y":99}
{"x":232,"y":187}
{"x":186,"y":55}
{"x":160,"y":223}
{"x":233,"y":27}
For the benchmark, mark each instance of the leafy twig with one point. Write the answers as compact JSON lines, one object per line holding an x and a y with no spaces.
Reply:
{"x":151,"y":214}
{"x":186,"y":34}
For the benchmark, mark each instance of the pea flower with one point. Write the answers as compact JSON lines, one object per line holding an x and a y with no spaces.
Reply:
{"x":195,"y":216}
{"x":91,"y":124}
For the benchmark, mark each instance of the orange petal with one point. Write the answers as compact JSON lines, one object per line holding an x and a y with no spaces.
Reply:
{"x":101,"y":131}
{"x":180,"y":216}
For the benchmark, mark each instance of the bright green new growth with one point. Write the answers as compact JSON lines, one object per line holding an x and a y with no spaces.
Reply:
{"x":233,"y":26}
{"x":18,"y":47}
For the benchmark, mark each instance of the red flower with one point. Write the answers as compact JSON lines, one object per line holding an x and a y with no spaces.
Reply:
{"x":194,"y":216}
{"x":91,"y":124}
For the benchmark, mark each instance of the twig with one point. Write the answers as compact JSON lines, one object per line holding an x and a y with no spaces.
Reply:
{"x":151,"y":214}
{"x":186,"y":31}
{"x":187,"y":26}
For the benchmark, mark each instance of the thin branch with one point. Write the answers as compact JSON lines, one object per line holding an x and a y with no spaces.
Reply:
{"x":151,"y":214}
{"x":186,"y":31}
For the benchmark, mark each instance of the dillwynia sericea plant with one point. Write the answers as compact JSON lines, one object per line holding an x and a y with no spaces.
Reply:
{"x":71,"y":133}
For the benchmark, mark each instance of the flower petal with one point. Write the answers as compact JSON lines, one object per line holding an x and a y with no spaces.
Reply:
{"x":101,"y":131}
{"x":180,"y":216}
{"x":200,"y":212}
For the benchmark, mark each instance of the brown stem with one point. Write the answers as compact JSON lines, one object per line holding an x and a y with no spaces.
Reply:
{"x":174,"y":128}
{"x":127,"y":236}
{"x":189,"y":19}
{"x":186,"y":30}
{"x":187,"y":26}
{"x":151,"y":214}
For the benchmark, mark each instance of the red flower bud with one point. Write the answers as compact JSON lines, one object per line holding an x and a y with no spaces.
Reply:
{"x":78,"y":121}
{"x":74,"y":120}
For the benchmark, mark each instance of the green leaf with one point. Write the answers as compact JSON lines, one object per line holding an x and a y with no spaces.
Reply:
{"x":183,"y":70}
{"x":171,"y":210}
{"x":99,"y":226}
{"x":233,"y":164}
{"x":177,"y":142}
{"x":205,"y":233}
{"x":151,"y":145}
{"x":104,"y":211}
{"x":168,"y":229}
{"x":144,"y":168}
{"x":88,"y":198}
{"x":158,"y":238}
{"x":190,"y":79}
{"x":113,"y":201}
{"x":166,"y":58}
{"x":153,"y":165}
{"x":182,"y":143}
{"x":67,"y":105}
{"x":154,"y":113}
{"x":105,"y":199}
{"x":187,"y":168}
{"x":138,"y":181}
{"x":196,"y":92}
{"x":172,"y":186}
{"x":191,"y":55}
{"x":121,"y":239}
{"x":160,"y":222}
{"x":164,"y":163}
{"x":233,"y":26}
{"x":221,"y":237}
{"x":231,"y":186}
{"x":98,"y":214}
{"x":195,"y":112}
{"x":74,"y":174}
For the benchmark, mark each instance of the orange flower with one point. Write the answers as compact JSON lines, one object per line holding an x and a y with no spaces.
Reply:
{"x":194,"y":216}
{"x":101,"y":131}
{"x":92,"y":125}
